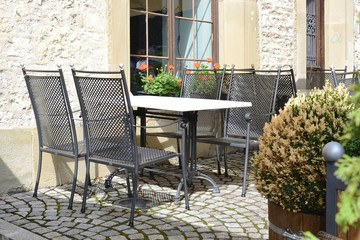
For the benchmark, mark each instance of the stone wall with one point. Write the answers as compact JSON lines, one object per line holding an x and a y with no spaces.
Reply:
{"x":276,"y":33}
{"x":42,"y":34}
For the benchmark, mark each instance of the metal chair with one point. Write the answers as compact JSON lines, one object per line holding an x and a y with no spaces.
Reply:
{"x":243,"y":126}
{"x":54,"y":119}
{"x":198,"y":83}
{"x":347,"y":78}
{"x":109,"y":130}
{"x":317,"y":77}
{"x":286,"y":88}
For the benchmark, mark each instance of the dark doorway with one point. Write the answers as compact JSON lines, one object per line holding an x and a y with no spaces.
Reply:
{"x":315,"y":49}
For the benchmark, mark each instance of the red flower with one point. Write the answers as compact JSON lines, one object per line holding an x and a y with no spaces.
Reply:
{"x":212,"y":68}
{"x":150,"y":79}
{"x":188,"y":72}
{"x":180,"y":83}
{"x":143,"y":67}
{"x":150,"y":68}
{"x":217,"y":65}
{"x":209,"y":60}
{"x":197,"y":65}
{"x":171,"y":67}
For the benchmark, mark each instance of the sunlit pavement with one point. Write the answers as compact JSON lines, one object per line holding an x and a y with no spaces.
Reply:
{"x":212,"y":216}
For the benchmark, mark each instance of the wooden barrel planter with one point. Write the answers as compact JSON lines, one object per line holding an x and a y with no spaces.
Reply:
{"x":282,"y":219}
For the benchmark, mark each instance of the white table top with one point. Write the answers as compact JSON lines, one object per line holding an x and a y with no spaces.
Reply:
{"x":184,"y":104}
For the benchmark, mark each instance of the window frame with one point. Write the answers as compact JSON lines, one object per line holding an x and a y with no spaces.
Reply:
{"x":171,"y":43}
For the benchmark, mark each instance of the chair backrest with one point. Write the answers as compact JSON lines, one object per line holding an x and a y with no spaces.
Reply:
{"x":258,"y":87}
{"x":199,"y":83}
{"x":53,"y":115}
{"x":203,"y":84}
{"x":286,"y":88}
{"x":107,"y":116}
{"x":347,"y":78}
{"x":317,"y":77}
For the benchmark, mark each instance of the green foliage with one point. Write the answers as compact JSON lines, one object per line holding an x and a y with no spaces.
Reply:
{"x":348,"y":170}
{"x":310,"y":236}
{"x":205,"y":82}
{"x":163,"y":84}
{"x":289,"y":168}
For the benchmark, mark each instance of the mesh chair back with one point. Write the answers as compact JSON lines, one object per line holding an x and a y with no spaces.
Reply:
{"x":286,"y":88}
{"x":347,"y":78}
{"x":206,"y":85}
{"x":52,"y":109}
{"x":107,"y":116}
{"x":318,"y":77}
{"x":259,"y":88}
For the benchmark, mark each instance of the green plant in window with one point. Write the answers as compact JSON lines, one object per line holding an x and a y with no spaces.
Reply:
{"x":204,"y":81}
{"x":163,"y":84}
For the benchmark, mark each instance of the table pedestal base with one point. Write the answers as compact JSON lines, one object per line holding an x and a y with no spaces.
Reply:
{"x":140,"y":203}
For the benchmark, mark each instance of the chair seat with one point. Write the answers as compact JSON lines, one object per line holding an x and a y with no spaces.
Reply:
{"x":229,"y":142}
{"x":81,"y":150}
{"x":146,"y":157}
{"x":149,"y":156}
{"x":176,"y":135}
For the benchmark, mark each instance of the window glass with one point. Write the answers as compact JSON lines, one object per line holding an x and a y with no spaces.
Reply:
{"x":183,"y":8}
{"x":136,"y":74}
{"x":155,"y":64}
{"x":138,"y":5}
{"x":156,"y":40}
{"x":158,"y":35}
{"x":137,"y":31}
{"x":203,"y":41}
{"x":184,"y":38}
{"x":158,"y":6}
{"x":203,"y":10}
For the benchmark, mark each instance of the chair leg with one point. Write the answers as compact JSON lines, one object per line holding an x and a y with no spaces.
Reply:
{"x":225,"y":163}
{"x":245,"y":172}
{"x":178,"y":150}
{"x":89,"y":174}
{"x":246,"y":158}
{"x":87,"y":180}
{"x":38,"y":174}
{"x":74,"y":183}
{"x":218,"y":158}
{"x":128,"y":183}
{"x":134,"y":198}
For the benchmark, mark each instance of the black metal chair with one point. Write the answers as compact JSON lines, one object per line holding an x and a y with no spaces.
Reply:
{"x":54,"y":119}
{"x":109,"y":128}
{"x":243,"y":126}
{"x":198,"y":83}
{"x":347,"y":78}
{"x":286,"y":88}
{"x":317,"y":77}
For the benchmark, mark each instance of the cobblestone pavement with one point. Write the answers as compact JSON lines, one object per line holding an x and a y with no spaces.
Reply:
{"x":212,"y":216}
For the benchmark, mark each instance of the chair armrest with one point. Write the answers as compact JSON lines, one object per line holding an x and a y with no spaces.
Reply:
{"x":248,"y":116}
{"x":160,"y":126}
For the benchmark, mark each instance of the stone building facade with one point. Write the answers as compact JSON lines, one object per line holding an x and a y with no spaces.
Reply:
{"x":94,"y":34}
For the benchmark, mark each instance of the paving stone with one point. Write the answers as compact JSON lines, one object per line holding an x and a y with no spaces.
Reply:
{"x":52,"y":235}
{"x":155,"y":237}
{"x":136,"y":236}
{"x":109,"y":233}
{"x":119,"y":238}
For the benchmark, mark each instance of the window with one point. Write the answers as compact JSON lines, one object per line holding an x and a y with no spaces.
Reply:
{"x":170,"y":32}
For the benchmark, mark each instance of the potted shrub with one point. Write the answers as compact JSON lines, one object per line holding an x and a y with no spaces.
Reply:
{"x":163,"y":84}
{"x":289,"y":169}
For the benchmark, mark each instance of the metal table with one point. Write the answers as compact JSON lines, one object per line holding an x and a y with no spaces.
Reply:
{"x":186,"y":109}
